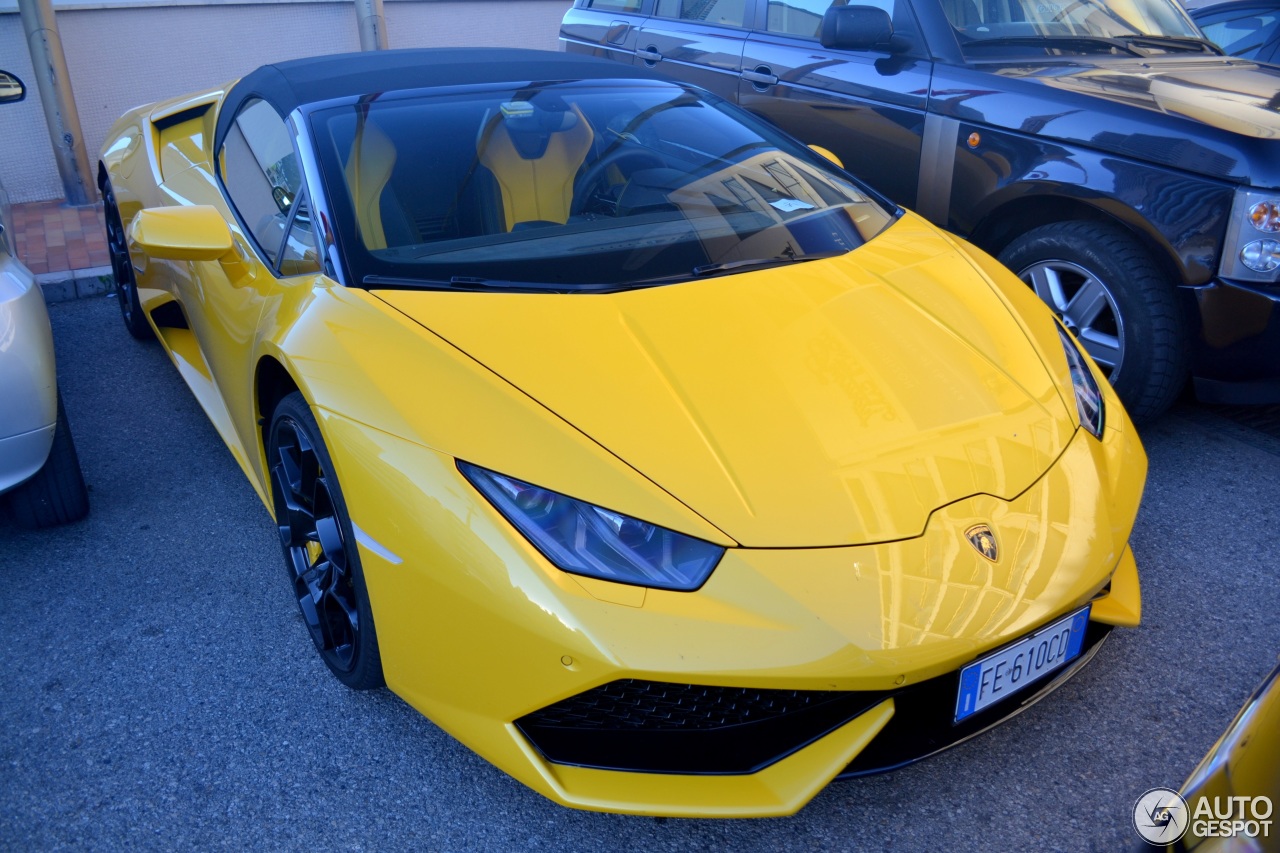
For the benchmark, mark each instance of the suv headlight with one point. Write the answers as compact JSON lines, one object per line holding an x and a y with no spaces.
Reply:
{"x":1089,"y":403}
{"x":584,"y":539}
{"x":1252,"y":248}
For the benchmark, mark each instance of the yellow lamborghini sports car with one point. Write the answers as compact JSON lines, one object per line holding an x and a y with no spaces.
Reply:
{"x":637,"y":445}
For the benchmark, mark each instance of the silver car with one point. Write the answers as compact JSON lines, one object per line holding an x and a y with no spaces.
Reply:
{"x":39,"y":470}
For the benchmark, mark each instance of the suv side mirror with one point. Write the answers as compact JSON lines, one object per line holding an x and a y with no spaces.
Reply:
{"x":858,"y":28}
{"x":11,"y":88}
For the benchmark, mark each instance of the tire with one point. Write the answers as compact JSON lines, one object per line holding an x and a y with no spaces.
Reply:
{"x":57,"y":493}
{"x":122,"y":269}
{"x":320,"y":555}
{"x":1108,"y":291}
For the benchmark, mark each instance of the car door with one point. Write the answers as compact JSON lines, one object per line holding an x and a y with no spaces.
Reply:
{"x":697,"y":41}
{"x":604,"y":28}
{"x":868,"y":107}
{"x":265,"y":200}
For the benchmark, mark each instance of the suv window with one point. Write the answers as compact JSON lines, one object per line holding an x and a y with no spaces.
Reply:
{"x":1242,"y":32}
{"x":803,"y":18}
{"x":629,"y":6}
{"x":726,"y":13}
{"x":260,"y":171}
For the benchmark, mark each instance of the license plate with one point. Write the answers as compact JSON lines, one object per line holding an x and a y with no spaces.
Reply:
{"x":1008,"y":671}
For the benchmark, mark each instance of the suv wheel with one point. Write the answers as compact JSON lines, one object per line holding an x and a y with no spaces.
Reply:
{"x":1108,"y":292}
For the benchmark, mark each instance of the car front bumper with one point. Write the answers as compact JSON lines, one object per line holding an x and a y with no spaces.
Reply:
{"x":478,"y":631}
{"x":1235,"y":341}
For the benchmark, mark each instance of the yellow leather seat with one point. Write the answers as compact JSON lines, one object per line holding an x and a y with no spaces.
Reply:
{"x":367,"y":171}
{"x":534,"y":163}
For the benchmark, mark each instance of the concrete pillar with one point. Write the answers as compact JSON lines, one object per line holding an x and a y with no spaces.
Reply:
{"x":59,"y":105}
{"x":373,"y":26}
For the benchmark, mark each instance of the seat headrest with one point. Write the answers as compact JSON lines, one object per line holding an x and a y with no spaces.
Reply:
{"x":530,"y":126}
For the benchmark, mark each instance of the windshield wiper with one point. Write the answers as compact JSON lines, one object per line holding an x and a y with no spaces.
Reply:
{"x":457,"y":282}
{"x":787,"y":257}
{"x":1198,"y":45}
{"x":1081,"y":43}
{"x":467,"y":282}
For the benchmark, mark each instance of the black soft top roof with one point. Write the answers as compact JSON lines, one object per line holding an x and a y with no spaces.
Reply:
{"x":288,"y":85}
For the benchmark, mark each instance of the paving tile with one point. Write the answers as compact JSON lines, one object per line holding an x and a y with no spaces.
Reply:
{"x":51,"y":238}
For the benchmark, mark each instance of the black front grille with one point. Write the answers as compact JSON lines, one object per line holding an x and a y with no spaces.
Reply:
{"x":658,"y":727}
{"x":655,"y":705}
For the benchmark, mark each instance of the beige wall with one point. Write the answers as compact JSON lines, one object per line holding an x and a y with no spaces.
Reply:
{"x":121,"y":57}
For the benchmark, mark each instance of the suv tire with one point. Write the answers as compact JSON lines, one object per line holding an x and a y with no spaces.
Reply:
{"x":1108,"y":291}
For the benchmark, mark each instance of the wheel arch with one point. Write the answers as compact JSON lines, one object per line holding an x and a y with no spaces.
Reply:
{"x":272,"y":382}
{"x":1010,"y":217}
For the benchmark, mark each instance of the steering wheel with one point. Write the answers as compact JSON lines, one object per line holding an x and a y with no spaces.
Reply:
{"x":588,"y":193}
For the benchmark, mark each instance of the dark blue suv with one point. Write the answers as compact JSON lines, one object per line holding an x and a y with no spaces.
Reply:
{"x":1102,"y":149}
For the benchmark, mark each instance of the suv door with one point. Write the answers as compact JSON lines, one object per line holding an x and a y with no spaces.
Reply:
{"x":868,"y":107}
{"x":604,"y":28}
{"x":697,"y":41}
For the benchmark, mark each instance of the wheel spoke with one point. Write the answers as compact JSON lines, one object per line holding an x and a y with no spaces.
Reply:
{"x":1107,"y":350}
{"x":1089,"y":301}
{"x":341,"y":623}
{"x":1047,"y":284}
{"x":330,"y":538}
{"x":294,"y":521}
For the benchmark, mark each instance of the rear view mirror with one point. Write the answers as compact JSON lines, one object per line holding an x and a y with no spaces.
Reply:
{"x":196,"y":233}
{"x":858,"y":28}
{"x":11,"y":88}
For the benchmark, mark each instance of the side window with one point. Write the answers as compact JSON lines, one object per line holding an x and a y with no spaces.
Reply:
{"x":798,"y":17}
{"x":299,"y":256}
{"x":803,"y":18}
{"x":261,"y":174}
{"x":1241,"y":32}
{"x":629,"y":6}
{"x":725,"y":13}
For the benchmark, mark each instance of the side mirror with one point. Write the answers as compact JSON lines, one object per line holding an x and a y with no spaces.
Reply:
{"x":830,"y":155}
{"x":196,"y":233}
{"x":859,"y":28}
{"x":281,"y":197}
{"x":11,"y":88}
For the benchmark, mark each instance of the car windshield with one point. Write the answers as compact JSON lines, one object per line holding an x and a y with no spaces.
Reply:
{"x":576,"y":186}
{"x":1129,"y":27}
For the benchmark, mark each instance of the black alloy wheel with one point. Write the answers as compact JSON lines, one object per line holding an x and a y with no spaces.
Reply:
{"x":122,"y":268}
{"x":319,"y":549}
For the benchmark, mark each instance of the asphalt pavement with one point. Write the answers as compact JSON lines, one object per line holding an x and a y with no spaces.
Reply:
{"x":161,"y":691}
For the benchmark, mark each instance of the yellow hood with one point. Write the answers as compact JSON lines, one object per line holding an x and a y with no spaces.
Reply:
{"x":831,"y":402}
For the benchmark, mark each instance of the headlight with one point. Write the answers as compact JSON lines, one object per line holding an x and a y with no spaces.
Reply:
{"x":1089,"y":405}
{"x":584,"y":539}
{"x":1252,"y":248}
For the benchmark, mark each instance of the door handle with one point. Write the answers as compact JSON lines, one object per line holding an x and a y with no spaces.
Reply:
{"x":762,"y":78}
{"x":649,"y":54}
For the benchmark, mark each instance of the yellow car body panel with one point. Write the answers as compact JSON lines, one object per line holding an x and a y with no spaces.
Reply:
{"x":894,"y":375}
{"x":1225,"y":792}
{"x":799,"y":417}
